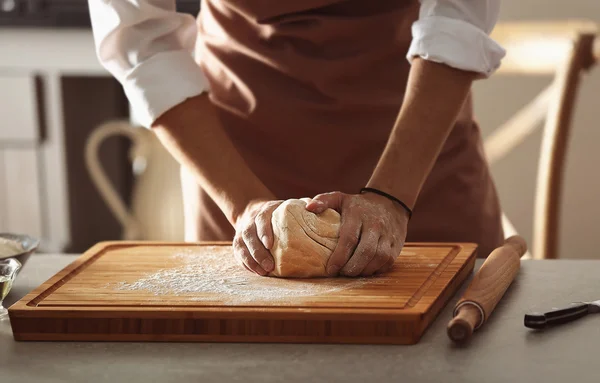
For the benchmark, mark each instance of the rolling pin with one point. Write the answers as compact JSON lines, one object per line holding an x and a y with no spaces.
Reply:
{"x":487,"y":288}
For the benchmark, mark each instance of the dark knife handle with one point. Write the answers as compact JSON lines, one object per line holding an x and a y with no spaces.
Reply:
{"x":540,"y":321}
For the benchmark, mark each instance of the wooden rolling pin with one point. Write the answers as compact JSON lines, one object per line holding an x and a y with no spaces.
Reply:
{"x":487,"y":288}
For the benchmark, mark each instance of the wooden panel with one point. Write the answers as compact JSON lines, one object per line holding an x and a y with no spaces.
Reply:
{"x":90,"y":220}
{"x":18,"y":109}
{"x":23,"y":212}
{"x":151,"y":291}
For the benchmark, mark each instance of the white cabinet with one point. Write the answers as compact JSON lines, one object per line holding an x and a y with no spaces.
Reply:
{"x":20,"y":182}
{"x":20,"y":196}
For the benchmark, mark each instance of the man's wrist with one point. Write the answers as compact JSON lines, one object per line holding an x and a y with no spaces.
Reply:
{"x":389,"y":197}
{"x":407,"y":192}
{"x":242,"y":208}
{"x":392,"y":205}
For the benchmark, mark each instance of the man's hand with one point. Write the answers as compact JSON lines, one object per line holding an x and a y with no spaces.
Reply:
{"x":254,"y":237}
{"x":193,"y":133}
{"x":434,"y":99}
{"x":372,"y":232}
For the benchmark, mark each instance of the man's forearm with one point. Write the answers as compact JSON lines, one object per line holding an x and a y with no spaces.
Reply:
{"x":434,"y":97}
{"x":192,"y":133}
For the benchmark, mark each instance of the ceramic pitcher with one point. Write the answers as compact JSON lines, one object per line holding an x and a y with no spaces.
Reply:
{"x":156,"y":211}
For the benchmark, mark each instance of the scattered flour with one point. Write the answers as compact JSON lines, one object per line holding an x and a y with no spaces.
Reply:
{"x":211,"y":273}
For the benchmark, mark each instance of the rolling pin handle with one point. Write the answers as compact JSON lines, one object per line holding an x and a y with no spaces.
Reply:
{"x":518,"y":243}
{"x":468,"y":317}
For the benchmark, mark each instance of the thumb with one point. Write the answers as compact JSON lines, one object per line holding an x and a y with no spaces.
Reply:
{"x":322,"y":202}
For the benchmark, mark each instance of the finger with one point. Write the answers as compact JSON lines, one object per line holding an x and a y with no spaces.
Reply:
{"x":382,"y":258}
{"x":322,"y":202}
{"x":349,"y":237}
{"x":243,"y":255}
{"x":364,"y":253}
{"x":237,"y":251}
{"x":397,"y":247}
{"x":387,"y":267}
{"x":264,"y":227}
{"x":257,"y":250}
{"x":245,"y":267}
{"x":395,"y":253}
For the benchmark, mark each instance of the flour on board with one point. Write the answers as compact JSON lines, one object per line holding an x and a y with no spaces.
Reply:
{"x":211,"y":271}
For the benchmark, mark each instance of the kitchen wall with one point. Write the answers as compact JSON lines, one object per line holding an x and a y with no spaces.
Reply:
{"x":498,"y":98}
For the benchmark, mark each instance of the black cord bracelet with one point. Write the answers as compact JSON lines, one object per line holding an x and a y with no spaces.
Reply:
{"x":388,"y":196}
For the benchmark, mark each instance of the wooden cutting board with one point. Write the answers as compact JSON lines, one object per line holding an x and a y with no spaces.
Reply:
{"x":151,"y":291}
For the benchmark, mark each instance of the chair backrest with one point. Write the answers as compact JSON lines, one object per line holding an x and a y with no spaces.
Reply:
{"x":563,"y":49}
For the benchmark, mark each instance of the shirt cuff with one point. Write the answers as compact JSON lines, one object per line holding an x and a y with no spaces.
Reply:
{"x":161,"y":82}
{"x":455,"y":43}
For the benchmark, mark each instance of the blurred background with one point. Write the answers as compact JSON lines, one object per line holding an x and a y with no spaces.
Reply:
{"x":499,"y":97}
{"x":74,"y":169}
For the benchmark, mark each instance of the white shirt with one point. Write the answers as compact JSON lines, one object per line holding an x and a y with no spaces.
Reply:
{"x":149,"y":47}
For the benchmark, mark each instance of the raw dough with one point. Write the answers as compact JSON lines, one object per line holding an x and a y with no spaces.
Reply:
{"x":304,"y":241}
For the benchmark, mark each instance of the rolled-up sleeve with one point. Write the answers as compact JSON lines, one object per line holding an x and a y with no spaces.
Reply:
{"x":456,"y":33}
{"x":148,"y":47}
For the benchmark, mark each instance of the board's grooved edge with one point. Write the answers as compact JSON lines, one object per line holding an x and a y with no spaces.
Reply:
{"x":451,"y":289}
{"x":432,"y":277}
{"x":35,"y":301}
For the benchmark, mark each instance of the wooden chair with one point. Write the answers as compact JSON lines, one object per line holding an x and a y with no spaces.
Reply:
{"x":564,"y":50}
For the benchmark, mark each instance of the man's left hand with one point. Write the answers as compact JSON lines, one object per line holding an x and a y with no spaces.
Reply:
{"x":372,"y":232}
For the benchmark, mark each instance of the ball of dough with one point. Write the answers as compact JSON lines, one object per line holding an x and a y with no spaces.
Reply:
{"x":303,"y":241}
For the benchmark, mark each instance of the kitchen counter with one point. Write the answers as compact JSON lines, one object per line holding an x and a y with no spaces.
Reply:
{"x":502,"y":351}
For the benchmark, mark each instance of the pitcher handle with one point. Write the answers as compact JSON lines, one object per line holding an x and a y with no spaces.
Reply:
{"x":131,"y":227}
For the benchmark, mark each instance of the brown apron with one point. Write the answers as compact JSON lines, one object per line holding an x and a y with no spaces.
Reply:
{"x":309,"y":92}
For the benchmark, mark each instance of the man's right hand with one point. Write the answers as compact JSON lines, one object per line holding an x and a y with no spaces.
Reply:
{"x":193,"y":133}
{"x":254,"y":237}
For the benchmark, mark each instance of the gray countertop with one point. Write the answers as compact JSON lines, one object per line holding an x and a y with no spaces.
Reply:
{"x":502,"y":351}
